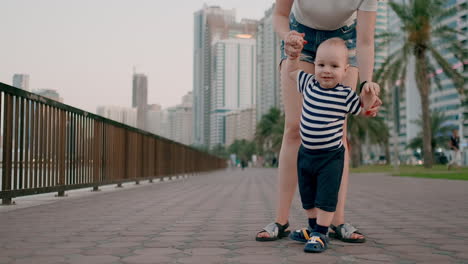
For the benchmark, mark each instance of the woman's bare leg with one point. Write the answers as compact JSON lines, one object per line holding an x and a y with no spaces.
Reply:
{"x":339,"y":218}
{"x":287,"y":171}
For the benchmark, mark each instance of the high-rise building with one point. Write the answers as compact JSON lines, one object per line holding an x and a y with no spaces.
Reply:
{"x":211,"y":23}
{"x":233,"y":82}
{"x":381,"y":26}
{"x":268,"y":60}
{"x":21,"y":81}
{"x":155,"y":119}
{"x":140,"y":98}
{"x":240,"y":124}
{"x":179,"y":121}
{"x":120,"y":114}
{"x":50,"y":93}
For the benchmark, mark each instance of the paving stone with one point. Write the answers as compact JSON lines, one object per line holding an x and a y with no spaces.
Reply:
{"x":107,"y":251}
{"x":40,"y":260}
{"x":57,"y":251}
{"x":79,"y":259}
{"x":151,"y":255}
{"x":119,"y":244}
{"x":429,"y":258}
{"x":254,"y":259}
{"x":454,"y":247}
{"x":202,"y":259}
{"x":376,"y":257}
{"x":5,"y":260}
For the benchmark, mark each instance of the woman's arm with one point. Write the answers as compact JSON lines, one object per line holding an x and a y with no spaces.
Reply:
{"x":281,"y":17}
{"x":281,"y":25}
{"x":365,"y":48}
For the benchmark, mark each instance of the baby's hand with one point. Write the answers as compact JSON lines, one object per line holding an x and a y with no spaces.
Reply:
{"x":293,"y":44}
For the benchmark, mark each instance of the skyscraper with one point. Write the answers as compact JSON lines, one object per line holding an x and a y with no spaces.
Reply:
{"x":120,"y":114}
{"x":268,"y":59}
{"x":210,"y":24}
{"x":140,"y":98}
{"x":180,"y":120}
{"x":50,"y":93}
{"x":155,"y":118}
{"x":381,"y":26}
{"x":240,"y":124}
{"x":21,"y":81}
{"x":233,"y":84}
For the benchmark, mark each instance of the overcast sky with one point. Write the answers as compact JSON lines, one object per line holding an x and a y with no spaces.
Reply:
{"x":86,"y":49}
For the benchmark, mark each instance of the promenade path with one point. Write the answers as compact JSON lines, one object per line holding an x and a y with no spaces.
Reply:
{"x":213,"y":217}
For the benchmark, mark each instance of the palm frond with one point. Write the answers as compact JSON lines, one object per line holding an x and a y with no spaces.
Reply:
{"x":445,"y":32}
{"x":453,"y":74}
{"x":436,"y":76}
{"x":460,"y":52}
{"x":401,"y":11}
{"x":439,"y":12}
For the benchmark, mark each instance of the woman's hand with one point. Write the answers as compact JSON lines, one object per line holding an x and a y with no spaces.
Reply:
{"x":294,"y":43}
{"x":372,"y":87}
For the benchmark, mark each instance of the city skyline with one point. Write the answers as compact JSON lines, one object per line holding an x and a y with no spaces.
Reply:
{"x":87,"y":51}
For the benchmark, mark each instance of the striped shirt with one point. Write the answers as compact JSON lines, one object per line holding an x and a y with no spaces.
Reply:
{"x":324,"y":111}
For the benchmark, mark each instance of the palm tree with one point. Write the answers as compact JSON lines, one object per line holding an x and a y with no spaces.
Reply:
{"x":269,"y":132}
{"x":360,"y":128}
{"x":243,"y":149}
{"x":422,"y":37}
{"x":439,"y":129}
{"x":219,"y":150}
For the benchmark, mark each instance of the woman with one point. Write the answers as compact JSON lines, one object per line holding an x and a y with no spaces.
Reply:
{"x":316,"y":21}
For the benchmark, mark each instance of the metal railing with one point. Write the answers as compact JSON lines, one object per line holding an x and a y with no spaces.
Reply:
{"x":48,"y":146}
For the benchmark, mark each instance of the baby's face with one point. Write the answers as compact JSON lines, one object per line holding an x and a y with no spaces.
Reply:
{"x":330,"y":65}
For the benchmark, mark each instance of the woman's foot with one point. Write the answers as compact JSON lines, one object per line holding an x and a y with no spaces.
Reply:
{"x":272,"y":232}
{"x":346,"y":233}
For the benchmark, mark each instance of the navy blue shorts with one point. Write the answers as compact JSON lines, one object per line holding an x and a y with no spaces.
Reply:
{"x":315,"y":37}
{"x":319,"y":175}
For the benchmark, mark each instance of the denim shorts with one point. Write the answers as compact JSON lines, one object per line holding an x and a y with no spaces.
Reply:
{"x":314,"y":37}
{"x":319,"y":176}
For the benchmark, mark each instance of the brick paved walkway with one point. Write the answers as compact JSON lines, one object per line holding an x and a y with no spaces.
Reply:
{"x":213,"y":218}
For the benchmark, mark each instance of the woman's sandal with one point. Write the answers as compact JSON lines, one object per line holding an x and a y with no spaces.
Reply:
{"x":317,"y":243}
{"x":300,"y":235}
{"x":275,"y":232}
{"x":344,"y":232}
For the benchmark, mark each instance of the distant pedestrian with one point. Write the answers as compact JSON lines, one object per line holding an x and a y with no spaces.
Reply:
{"x":243,"y":163}
{"x":455,"y":150}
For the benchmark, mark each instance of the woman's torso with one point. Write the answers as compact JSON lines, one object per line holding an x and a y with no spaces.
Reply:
{"x":329,"y":14}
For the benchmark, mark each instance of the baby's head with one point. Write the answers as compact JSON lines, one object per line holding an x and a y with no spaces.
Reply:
{"x":331,"y":62}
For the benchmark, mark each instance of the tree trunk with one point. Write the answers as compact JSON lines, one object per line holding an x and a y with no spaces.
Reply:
{"x":355,"y":151}
{"x":424,"y":88}
{"x":387,"y":152}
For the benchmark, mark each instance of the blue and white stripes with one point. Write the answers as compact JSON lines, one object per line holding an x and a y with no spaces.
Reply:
{"x":324,"y":111}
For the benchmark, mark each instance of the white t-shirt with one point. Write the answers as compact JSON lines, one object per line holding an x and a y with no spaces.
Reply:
{"x":329,"y":14}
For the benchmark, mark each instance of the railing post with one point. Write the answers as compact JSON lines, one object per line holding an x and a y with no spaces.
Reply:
{"x":96,"y":156}
{"x":62,"y":147}
{"x":7,"y":145}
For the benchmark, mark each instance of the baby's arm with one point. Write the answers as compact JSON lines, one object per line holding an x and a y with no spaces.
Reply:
{"x":292,"y":63}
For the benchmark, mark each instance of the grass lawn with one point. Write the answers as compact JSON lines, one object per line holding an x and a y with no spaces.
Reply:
{"x":436,"y":172}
